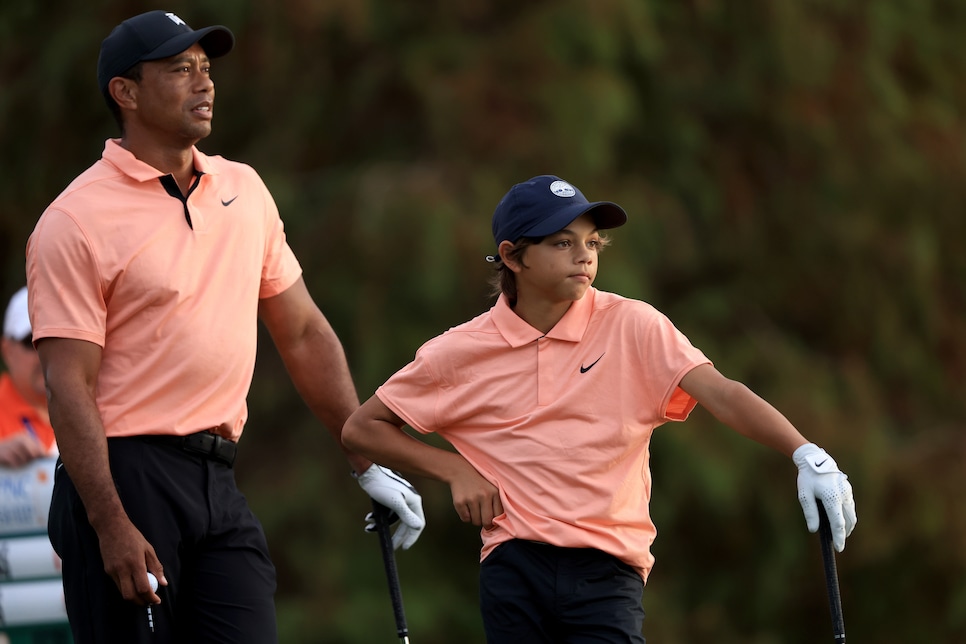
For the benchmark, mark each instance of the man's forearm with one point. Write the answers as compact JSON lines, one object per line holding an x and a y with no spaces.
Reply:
{"x":320,"y":372}
{"x":83,"y":449}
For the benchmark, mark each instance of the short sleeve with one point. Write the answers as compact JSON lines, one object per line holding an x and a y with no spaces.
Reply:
{"x":413,"y":394}
{"x":280,"y":268}
{"x":66,"y":296}
{"x":669,"y":356}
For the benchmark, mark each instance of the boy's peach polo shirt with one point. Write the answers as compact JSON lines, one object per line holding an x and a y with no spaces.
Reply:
{"x":559,"y":422}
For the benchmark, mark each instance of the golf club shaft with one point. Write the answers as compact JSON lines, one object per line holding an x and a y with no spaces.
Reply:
{"x":381,"y":514}
{"x":831,"y":576}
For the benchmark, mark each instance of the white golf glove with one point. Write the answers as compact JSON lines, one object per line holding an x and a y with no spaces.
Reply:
{"x":396,"y":493}
{"x":819,"y":477}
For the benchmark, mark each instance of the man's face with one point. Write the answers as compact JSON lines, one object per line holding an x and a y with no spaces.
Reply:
{"x":175,"y":97}
{"x":23,"y":364}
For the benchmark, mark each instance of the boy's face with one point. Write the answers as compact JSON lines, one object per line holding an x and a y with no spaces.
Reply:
{"x":561,"y":267}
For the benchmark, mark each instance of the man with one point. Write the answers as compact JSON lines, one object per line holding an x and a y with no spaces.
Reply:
{"x":25,"y":431}
{"x":147,"y":276}
{"x":550,"y":399}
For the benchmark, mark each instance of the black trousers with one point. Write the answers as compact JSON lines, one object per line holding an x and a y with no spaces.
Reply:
{"x":534,"y":593}
{"x":221,"y":580}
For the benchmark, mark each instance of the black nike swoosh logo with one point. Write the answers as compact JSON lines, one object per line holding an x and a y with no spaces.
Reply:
{"x":228,"y":203}
{"x":820,"y":464}
{"x":584,"y":369}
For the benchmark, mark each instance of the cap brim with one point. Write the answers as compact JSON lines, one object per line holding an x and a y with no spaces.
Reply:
{"x":216,"y":41}
{"x":606,"y":215}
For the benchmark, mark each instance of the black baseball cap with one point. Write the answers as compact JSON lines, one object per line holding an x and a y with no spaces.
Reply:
{"x":152,"y":36}
{"x":544,"y":205}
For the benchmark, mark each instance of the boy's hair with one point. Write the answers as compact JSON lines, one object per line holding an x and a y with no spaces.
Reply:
{"x":504,"y":280}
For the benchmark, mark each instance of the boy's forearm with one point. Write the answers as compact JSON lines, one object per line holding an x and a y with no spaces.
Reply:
{"x":753,"y":417}
{"x":741,"y":409}
{"x":387,"y":444}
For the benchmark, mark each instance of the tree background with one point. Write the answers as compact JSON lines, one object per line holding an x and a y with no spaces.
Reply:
{"x":795,"y":177}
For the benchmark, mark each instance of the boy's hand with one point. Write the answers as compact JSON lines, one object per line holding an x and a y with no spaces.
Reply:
{"x":396,"y":493}
{"x":819,"y":477}
{"x":475,"y":499}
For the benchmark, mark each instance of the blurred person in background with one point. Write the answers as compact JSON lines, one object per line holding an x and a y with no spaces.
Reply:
{"x":148,"y":276}
{"x":25,"y":431}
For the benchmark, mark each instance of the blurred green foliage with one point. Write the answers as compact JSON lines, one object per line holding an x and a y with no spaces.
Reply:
{"x":794,"y":174}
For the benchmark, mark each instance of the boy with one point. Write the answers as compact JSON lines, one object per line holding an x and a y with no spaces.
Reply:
{"x":550,"y":399}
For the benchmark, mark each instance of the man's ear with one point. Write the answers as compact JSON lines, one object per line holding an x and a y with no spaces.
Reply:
{"x":504,"y":250}
{"x":124,"y":92}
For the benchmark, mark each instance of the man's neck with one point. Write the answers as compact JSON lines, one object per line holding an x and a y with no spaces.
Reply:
{"x":178,"y":161}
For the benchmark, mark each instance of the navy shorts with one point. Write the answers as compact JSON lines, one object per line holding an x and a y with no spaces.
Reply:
{"x":532,"y":593}
{"x":221,"y":581}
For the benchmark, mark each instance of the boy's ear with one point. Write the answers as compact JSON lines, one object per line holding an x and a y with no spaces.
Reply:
{"x":504,"y":250}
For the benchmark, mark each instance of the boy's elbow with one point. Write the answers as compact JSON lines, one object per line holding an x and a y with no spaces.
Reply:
{"x":351,"y":434}
{"x":369,"y":428}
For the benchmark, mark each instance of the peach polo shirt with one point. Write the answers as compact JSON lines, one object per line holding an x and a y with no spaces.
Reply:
{"x":114,"y":262}
{"x":560,"y":422}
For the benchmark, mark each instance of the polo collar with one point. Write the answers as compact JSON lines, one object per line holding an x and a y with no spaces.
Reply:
{"x":138,"y":170}
{"x":570,"y":328}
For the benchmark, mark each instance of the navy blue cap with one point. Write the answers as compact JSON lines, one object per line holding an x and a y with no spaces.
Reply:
{"x":152,"y":36}
{"x":545,"y":205}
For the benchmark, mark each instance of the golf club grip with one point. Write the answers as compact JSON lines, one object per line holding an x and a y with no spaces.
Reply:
{"x":831,"y":576}
{"x":381,"y":514}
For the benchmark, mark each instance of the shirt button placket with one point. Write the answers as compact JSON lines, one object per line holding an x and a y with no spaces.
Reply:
{"x":545,"y":375}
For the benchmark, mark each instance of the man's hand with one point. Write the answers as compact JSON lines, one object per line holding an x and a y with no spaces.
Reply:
{"x":396,"y":493}
{"x":128,"y":557}
{"x":819,"y":477}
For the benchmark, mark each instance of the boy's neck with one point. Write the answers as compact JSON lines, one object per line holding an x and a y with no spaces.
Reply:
{"x":541,"y":315}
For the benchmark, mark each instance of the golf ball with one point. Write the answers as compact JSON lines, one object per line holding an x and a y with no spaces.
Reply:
{"x":153,"y":581}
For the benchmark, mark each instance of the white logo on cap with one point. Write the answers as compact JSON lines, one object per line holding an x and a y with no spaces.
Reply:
{"x":562,"y":189}
{"x":175,"y":19}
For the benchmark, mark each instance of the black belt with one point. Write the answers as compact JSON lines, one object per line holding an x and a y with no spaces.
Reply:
{"x":211,"y":446}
